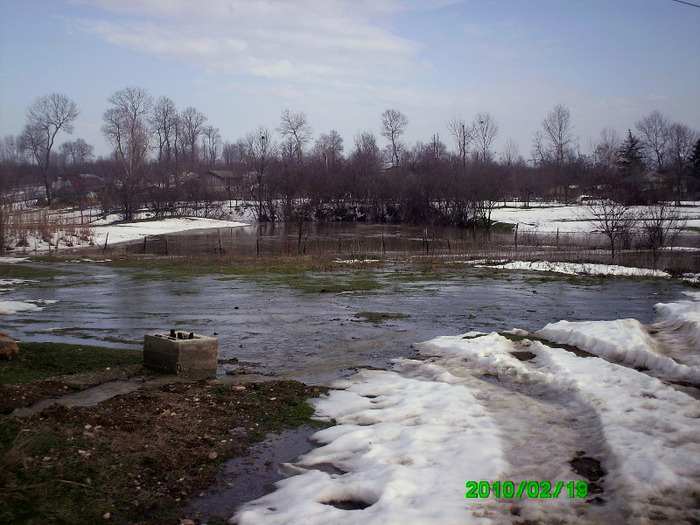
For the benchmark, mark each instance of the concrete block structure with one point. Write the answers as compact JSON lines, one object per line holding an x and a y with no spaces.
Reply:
{"x":184,"y":354}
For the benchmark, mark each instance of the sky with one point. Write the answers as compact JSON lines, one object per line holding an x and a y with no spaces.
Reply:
{"x":343,"y":62}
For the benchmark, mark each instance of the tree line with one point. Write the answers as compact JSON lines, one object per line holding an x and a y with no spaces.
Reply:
{"x":160,"y":154}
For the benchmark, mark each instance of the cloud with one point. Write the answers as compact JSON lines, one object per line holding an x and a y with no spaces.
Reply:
{"x":282,"y":39}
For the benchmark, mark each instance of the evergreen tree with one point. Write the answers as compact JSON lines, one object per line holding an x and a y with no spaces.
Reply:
{"x":629,"y":157}
{"x":695,"y":167}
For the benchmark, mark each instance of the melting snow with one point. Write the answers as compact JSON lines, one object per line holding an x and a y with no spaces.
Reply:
{"x":488,"y":407}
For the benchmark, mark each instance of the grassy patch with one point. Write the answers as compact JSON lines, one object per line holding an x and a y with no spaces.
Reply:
{"x":379,"y":317}
{"x":23,"y":271}
{"x":139,"y":456}
{"x":167,"y":268}
{"x":330,"y":283}
{"x":37,"y":361}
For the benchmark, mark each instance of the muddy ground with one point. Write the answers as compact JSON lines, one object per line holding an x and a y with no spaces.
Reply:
{"x":139,"y":457}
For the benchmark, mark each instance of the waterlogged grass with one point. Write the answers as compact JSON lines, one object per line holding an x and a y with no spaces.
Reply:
{"x":380,"y":317}
{"x":306,"y":274}
{"x":37,"y":361}
{"x":27,"y":271}
{"x":330,"y":283}
{"x":167,"y":268}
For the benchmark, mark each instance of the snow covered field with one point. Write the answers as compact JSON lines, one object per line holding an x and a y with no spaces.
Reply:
{"x":133,"y":231}
{"x":550,"y":217}
{"x":489,"y":407}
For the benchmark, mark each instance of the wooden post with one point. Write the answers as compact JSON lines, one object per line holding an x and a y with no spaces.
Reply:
{"x":517,"y":224}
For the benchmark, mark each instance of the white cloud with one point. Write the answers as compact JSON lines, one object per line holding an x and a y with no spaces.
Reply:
{"x":289,"y":39}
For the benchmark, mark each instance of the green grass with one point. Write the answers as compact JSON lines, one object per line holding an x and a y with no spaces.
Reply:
{"x":329,"y":283}
{"x":287,"y":411}
{"x":23,"y":271}
{"x":37,"y":361}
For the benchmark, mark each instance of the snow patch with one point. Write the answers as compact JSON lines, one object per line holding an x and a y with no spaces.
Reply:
{"x":405,"y":445}
{"x":623,"y":341}
{"x":577,"y":268}
{"x":12,"y":307}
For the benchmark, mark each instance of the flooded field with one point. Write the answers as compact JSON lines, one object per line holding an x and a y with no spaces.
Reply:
{"x":347,"y":240}
{"x":311,"y":326}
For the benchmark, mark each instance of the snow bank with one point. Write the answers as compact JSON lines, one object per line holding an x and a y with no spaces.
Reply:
{"x":578,"y":268}
{"x":680,"y":321}
{"x":545,"y":218}
{"x":405,"y":447}
{"x":138,"y":230}
{"x":623,"y":341}
{"x":13,"y":260}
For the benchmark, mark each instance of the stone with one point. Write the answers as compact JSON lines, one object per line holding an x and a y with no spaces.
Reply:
{"x":8,"y":346}
{"x":184,"y":354}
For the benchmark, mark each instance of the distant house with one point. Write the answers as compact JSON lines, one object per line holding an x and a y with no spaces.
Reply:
{"x":83,"y":186}
{"x":220,"y":180}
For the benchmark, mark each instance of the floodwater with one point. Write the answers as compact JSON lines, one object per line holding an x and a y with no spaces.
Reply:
{"x":280,"y":329}
{"x":321,"y":239}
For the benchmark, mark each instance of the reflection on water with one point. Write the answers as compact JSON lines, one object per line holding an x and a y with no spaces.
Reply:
{"x":336,"y":239}
{"x":316,"y":337}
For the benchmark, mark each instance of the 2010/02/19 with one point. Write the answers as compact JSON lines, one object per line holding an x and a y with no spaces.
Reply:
{"x":530,"y":489}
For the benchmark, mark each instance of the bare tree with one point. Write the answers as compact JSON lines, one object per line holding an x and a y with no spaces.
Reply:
{"x":45,"y":118}
{"x":557,"y":130}
{"x":77,"y":153}
{"x":462,"y":134}
{"x":613,"y":219}
{"x":484,"y":131}
{"x":511,"y":154}
{"x":125,"y":126}
{"x":295,"y":126}
{"x":259,"y":152}
{"x":539,"y":151}
{"x":605,"y":149}
{"x":329,"y":148}
{"x":365,"y":170}
{"x":165,"y":123}
{"x":211,"y":145}
{"x":654,"y":130}
{"x":681,"y":140}
{"x":192,"y":124}
{"x":661,"y":226}
{"x":393,"y":127}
